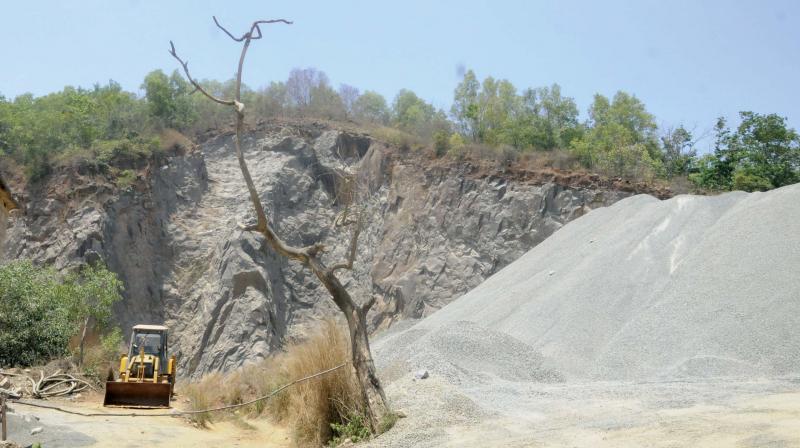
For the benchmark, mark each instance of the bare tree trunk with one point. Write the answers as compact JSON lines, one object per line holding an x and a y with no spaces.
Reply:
{"x":373,"y":397}
{"x":374,"y":400}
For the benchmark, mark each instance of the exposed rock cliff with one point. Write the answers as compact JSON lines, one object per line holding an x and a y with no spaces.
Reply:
{"x":433,"y":234}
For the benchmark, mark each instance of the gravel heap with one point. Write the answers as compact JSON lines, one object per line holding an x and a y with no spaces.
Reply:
{"x":691,"y":287}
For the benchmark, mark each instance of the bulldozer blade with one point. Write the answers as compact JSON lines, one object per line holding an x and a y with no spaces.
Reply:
{"x":137,"y":395}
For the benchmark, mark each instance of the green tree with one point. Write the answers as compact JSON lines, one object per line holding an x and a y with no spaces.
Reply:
{"x":40,"y":312}
{"x":371,"y":107}
{"x":620,"y":139}
{"x":168,"y":99}
{"x":35,"y":314}
{"x":412,"y":114}
{"x":93,"y":290}
{"x":763,"y":153}
{"x":679,"y":152}
{"x":465,"y":105}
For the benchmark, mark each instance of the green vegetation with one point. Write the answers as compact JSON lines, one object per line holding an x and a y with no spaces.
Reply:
{"x":761,"y":154}
{"x":620,"y":139}
{"x":354,"y":429}
{"x":106,"y":126}
{"x":94,"y":124}
{"x":40,"y":311}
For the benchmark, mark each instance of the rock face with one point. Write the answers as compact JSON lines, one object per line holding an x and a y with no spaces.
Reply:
{"x":175,"y":239}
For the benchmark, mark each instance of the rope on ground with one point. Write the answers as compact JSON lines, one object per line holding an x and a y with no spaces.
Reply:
{"x":176,"y":413}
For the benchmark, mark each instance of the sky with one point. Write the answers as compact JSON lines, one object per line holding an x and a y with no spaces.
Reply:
{"x":688,"y":61}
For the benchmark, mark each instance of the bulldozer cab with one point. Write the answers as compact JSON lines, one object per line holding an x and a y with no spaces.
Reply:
{"x":151,"y":338}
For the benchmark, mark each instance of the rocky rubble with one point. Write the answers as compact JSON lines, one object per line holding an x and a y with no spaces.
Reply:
{"x":176,"y":240}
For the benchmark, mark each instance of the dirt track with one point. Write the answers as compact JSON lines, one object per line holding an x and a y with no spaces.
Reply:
{"x":67,"y":431}
{"x":601,"y":414}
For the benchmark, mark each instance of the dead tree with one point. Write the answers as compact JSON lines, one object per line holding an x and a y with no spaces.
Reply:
{"x":374,"y":400}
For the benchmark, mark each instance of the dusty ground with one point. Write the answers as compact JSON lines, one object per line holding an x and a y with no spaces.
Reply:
{"x":602,"y":414}
{"x":67,"y":431}
{"x":717,"y":413}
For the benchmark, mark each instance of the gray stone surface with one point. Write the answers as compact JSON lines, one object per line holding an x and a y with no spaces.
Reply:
{"x":645,"y":289}
{"x":431,"y":235}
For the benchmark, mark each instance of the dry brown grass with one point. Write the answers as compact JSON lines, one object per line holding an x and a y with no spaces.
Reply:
{"x":308,"y":407}
{"x":172,"y":140}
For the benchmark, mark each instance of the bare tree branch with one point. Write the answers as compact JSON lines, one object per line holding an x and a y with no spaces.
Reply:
{"x":197,"y":86}
{"x":366,"y":307}
{"x":253,"y":27}
{"x":374,"y":400}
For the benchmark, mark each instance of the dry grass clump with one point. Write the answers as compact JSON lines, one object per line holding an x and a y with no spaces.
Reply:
{"x":170,"y":140}
{"x":313,"y":405}
{"x":309,"y":407}
{"x":204,"y":395}
{"x":397,"y":138}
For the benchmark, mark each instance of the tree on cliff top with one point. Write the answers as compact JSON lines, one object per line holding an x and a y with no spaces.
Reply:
{"x":375,"y":405}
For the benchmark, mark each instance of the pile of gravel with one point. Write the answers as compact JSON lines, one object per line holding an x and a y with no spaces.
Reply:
{"x":465,"y":353}
{"x":645,"y":289}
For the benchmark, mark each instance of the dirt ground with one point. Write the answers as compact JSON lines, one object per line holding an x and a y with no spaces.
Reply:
{"x":680,"y":414}
{"x":770,"y":421}
{"x":68,"y":431}
{"x":719,"y":413}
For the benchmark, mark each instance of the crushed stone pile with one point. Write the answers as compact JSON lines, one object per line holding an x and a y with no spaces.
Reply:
{"x":691,"y":287}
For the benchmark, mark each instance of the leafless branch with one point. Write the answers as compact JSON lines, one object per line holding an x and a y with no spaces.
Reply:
{"x":373,"y":397}
{"x":197,"y":86}
{"x":253,"y":28}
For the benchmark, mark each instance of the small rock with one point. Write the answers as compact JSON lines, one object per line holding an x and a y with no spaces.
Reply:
{"x":551,"y":273}
{"x":421,"y":374}
{"x":36,"y":430}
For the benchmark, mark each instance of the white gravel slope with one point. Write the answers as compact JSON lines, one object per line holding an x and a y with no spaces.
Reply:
{"x":648,"y":323}
{"x":645,"y":289}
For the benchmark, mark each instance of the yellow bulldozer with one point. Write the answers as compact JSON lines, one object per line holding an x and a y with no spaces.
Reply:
{"x":146,"y":372}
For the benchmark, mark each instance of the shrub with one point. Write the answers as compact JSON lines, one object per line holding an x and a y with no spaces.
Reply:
{"x":310,"y":407}
{"x":40,"y":312}
{"x":441,"y":143}
{"x":126,"y":179}
{"x":332,"y":398}
{"x":354,"y":429}
{"x":397,"y":138}
{"x":204,"y":395}
{"x":99,"y":358}
{"x":36,"y":320}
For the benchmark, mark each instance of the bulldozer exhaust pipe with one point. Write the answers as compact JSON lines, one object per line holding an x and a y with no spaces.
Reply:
{"x":137,"y":395}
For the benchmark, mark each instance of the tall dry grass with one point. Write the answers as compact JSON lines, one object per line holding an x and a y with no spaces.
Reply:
{"x":309,"y":407}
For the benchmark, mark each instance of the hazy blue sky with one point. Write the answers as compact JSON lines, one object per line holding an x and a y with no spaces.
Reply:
{"x":689,"y":61}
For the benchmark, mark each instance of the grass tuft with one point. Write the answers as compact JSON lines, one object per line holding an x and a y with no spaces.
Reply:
{"x":312,"y":408}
